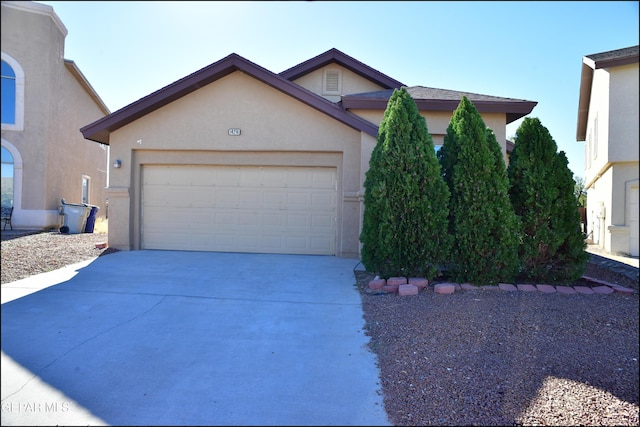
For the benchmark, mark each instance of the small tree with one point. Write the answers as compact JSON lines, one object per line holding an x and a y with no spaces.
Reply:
{"x":405,"y":201}
{"x":481,"y":216}
{"x":579,"y":191}
{"x":542,"y":193}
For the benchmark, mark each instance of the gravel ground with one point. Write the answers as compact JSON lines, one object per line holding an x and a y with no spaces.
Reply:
{"x":506,"y":358}
{"x":470,"y":358}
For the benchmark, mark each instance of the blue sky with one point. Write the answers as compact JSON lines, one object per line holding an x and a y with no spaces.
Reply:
{"x":523,"y":50}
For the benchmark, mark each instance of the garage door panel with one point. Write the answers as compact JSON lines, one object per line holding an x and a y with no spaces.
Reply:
{"x":240,"y":209}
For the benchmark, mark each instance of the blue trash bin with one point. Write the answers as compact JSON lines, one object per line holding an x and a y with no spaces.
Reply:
{"x":91,"y":219}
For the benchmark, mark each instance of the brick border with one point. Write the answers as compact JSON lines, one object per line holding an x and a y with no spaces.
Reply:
{"x":395,"y":285}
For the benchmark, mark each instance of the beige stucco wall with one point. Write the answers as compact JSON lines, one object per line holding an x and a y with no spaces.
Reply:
{"x":351,"y":82}
{"x":611,"y":156}
{"x":53,"y":152}
{"x":623,"y":117}
{"x":438,"y":121}
{"x":194,"y":130}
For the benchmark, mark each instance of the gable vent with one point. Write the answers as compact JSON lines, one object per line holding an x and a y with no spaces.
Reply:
{"x":332,"y":82}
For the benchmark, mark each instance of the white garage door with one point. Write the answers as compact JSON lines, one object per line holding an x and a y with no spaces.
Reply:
{"x":289,"y":210}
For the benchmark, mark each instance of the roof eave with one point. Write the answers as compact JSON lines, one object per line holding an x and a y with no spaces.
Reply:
{"x":514,"y":110}
{"x":334,"y":55}
{"x":584,"y":99}
{"x":99,"y":130}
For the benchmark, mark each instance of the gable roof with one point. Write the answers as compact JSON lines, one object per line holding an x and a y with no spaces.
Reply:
{"x":338,"y":57}
{"x":100,"y":130}
{"x":433,"y":99}
{"x":590,"y":63}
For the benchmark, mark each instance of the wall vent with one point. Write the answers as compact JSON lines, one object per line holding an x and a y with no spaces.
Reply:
{"x":332,"y":83}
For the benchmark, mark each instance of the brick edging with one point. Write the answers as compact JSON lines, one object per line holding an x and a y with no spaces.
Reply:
{"x":407,"y":288}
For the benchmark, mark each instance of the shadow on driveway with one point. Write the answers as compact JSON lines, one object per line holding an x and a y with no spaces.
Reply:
{"x":189,"y":338}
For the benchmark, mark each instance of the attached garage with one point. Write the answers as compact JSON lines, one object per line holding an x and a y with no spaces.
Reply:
{"x":236,"y":158}
{"x":261,"y":209}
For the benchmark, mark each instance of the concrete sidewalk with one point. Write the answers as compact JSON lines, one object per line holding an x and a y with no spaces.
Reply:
{"x":189,"y":338}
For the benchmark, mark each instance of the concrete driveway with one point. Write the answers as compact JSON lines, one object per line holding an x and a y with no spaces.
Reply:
{"x":189,"y":338}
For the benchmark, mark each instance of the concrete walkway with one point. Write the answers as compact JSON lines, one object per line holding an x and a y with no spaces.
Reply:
{"x":189,"y":338}
{"x":625,"y":265}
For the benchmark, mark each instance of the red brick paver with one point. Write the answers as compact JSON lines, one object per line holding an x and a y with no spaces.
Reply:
{"x":547,"y":289}
{"x":396,"y":281}
{"x":407,"y":290}
{"x":444,"y":288}
{"x":585,"y":290}
{"x":527,"y":288}
{"x":622,"y":289}
{"x":377,"y":283}
{"x":602,"y":290}
{"x":419,"y":282}
{"x":566,"y":290}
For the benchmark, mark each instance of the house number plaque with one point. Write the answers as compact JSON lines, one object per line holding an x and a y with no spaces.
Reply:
{"x":234,"y":131}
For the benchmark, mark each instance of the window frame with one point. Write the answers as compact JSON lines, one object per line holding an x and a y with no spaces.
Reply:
{"x":19,"y":95}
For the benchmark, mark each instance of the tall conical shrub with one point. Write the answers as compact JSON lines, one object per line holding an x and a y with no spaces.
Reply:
{"x":404,"y":229}
{"x":482,"y":220}
{"x":542,"y":193}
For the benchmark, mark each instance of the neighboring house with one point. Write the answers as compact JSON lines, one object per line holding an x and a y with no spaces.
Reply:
{"x":237,"y":158}
{"x":608,"y":122}
{"x":45,"y":101}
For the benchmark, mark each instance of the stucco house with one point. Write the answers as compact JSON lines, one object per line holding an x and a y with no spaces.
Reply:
{"x":237,"y":158}
{"x":608,"y":124}
{"x":45,"y":101}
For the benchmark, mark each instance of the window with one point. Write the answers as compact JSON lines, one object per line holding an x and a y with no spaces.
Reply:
{"x":85,"y":188}
{"x":12,"y":94}
{"x":8,"y":94}
{"x":7,"y":178}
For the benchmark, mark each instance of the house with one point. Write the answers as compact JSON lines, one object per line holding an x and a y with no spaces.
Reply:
{"x":237,"y":158}
{"x":608,"y":124}
{"x":45,"y":101}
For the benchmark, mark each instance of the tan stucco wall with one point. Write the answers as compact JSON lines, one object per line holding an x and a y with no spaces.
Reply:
{"x":624,"y":113}
{"x":194,"y":130}
{"x":438,"y":121}
{"x":351,"y":82}
{"x":54,"y":154}
{"x":610,"y":227}
{"x":611,"y":155}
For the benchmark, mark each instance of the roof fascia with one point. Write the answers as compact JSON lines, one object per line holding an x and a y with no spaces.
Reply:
{"x":513,"y":109}
{"x":589,"y":65}
{"x":584,"y":99}
{"x":75,"y":71}
{"x":334,"y":55}
{"x":99,"y":130}
{"x":609,"y":63}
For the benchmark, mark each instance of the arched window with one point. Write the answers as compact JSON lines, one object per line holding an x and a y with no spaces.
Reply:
{"x":7,"y":174}
{"x":8,"y":94}
{"x":12,"y":94}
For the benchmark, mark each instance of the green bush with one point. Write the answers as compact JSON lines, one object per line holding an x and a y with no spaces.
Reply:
{"x":405,"y":201}
{"x":542,"y":192}
{"x":481,"y":217}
